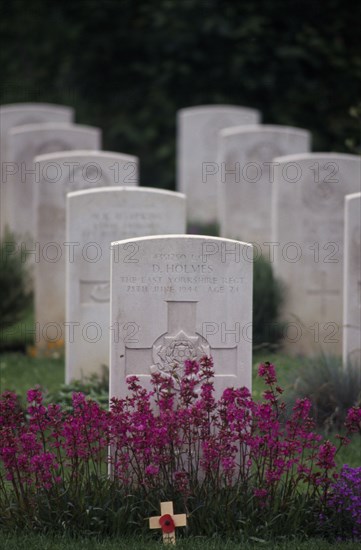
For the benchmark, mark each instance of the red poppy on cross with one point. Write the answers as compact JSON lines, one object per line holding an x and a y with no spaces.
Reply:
{"x":168,"y":521}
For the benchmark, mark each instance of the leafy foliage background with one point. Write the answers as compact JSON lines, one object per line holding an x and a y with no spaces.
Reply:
{"x":129,"y":66}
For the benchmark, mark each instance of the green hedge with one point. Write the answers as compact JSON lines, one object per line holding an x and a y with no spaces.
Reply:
{"x":129,"y":66}
{"x":15,"y":294}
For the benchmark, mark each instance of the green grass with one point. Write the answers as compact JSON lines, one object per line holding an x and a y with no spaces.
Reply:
{"x":40,"y":542}
{"x":351,"y":454}
{"x":20,"y":335}
{"x":286,"y":368}
{"x":19,"y":373}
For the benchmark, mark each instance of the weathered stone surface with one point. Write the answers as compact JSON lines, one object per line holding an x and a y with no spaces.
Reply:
{"x":246,"y":176}
{"x":62,"y":173}
{"x":308,"y":234}
{"x":197,"y":143}
{"x":24,"y":144}
{"x":95,"y":218}
{"x":180,"y":297}
{"x":19,"y":114}
{"x":352,"y":281}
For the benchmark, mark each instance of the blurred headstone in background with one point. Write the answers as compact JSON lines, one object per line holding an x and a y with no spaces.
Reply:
{"x":62,"y":173}
{"x":352,"y":281}
{"x":197,"y":141}
{"x":95,"y":218}
{"x":308,"y":237}
{"x":24,"y":144}
{"x":19,"y":114}
{"x":246,"y":177}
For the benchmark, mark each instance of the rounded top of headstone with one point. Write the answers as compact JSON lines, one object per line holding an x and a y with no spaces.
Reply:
{"x":299,"y":157}
{"x":352,"y":196}
{"x":57,"y":126}
{"x":12,"y":107}
{"x":86,"y":155}
{"x":202,"y":109}
{"x":262,"y":129}
{"x":124,"y":190}
{"x":184,"y":238}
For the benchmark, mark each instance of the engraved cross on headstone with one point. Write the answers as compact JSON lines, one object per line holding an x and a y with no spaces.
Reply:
{"x":181,"y":342}
{"x":323,"y":291}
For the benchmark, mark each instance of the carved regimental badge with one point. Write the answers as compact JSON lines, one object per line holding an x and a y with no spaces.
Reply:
{"x":181,"y":342}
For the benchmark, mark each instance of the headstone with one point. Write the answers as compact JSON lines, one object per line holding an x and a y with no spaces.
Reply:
{"x":352,"y":281}
{"x":19,"y":114}
{"x":95,"y":218}
{"x":62,"y":173}
{"x":246,"y":175}
{"x":24,"y":144}
{"x":197,"y":138}
{"x":308,"y":233}
{"x":180,"y":297}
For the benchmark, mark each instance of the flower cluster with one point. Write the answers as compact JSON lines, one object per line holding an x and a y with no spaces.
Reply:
{"x":353,"y":420}
{"x":38,"y":446}
{"x":344,"y":503}
{"x":177,"y":438}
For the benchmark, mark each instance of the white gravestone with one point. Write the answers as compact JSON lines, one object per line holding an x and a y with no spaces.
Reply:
{"x":352,"y":281}
{"x":197,"y":138}
{"x":308,"y":233}
{"x":19,"y":114}
{"x":95,"y":218}
{"x":246,"y":175}
{"x":62,"y":173}
{"x":24,"y":144}
{"x":180,"y":297}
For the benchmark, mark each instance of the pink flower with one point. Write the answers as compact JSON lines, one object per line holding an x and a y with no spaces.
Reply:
{"x":260,"y":493}
{"x":35,"y":395}
{"x":152,"y":470}
{"x":191,"y":367}
{"x":302,"y":408}
{"x":326,"y":456}
{"x":268,"y":372}
{"x":177,"y":436}
{"x":353,"y":420}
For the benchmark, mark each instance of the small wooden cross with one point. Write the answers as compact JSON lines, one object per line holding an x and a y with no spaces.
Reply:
{"x":167,"y":521}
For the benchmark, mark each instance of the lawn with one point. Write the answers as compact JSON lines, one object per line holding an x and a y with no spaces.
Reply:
{"x":40,"y":542}
{"x":19,"y":372}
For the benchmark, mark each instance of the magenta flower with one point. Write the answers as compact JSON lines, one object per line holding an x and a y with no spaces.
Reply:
{"x":177,"y":438}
